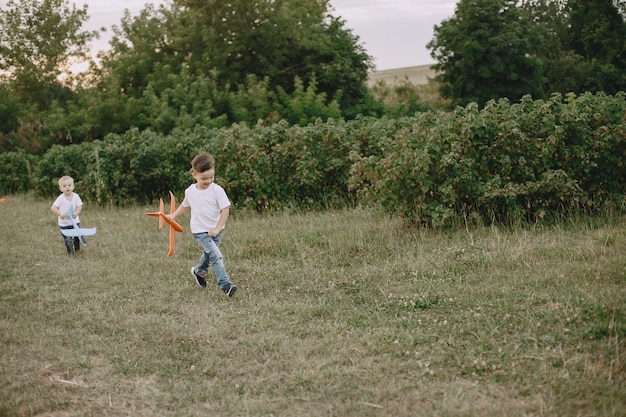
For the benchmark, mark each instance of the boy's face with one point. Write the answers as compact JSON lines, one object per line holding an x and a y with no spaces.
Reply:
{"x":66,"y":186}
{"x":203,"y":179}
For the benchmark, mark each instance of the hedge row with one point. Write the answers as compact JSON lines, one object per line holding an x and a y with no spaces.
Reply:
{"x":503,"y":161}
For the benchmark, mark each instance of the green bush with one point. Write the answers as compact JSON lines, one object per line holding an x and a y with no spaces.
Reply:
{"x":503,"y":162}
{"x":16,"y":172}
{"x":72,"y":160}
{"x":243,"y":167}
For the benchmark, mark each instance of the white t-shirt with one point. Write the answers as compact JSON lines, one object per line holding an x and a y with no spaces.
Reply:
{"x":205,"y":206}
{"x":64,"y":205}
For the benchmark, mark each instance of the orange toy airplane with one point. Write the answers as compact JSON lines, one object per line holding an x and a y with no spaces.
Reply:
{"x":162,"y":217}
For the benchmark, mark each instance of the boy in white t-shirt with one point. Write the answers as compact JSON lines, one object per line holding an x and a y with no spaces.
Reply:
{"x":209,"y":207}
{"x":62,"y":205}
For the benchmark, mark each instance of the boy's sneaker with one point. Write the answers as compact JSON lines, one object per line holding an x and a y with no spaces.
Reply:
{"x":201,"y":281}
{"x":230,"y":289}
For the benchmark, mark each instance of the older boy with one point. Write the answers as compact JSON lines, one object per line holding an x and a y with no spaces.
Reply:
{"x":209,"y":207}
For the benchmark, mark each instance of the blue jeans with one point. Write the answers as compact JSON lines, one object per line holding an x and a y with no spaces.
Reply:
{"x":71,"y":243}
{"x":212,"y":257}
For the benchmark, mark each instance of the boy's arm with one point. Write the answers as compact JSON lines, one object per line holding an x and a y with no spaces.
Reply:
{"x":221,"y":222}
{"x":180,"y":210}
{"x":77,"y":211}
{"x":56,"y":211}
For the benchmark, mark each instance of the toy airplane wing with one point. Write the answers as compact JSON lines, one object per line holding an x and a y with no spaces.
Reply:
{"x":162,"y":217}
{"x":77,"y":231}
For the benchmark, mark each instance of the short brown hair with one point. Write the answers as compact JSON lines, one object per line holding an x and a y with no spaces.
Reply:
{"x":202,"y":162}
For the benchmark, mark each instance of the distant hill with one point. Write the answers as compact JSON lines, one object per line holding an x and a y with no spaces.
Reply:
{"x":416,"y":75}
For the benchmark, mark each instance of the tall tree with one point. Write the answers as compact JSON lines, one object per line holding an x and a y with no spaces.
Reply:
{"x":38,"y":42}
{"x":584,"y":40}
{"x":230,"y":40}
{"x":598,"y":33}
{"x":485,"y":51}
{"x":551,"y":21}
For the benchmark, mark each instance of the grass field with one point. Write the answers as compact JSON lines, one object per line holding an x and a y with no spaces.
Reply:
{"x":344,"y":313}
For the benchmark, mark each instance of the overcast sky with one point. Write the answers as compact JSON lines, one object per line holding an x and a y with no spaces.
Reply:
{"x":393,"y":32}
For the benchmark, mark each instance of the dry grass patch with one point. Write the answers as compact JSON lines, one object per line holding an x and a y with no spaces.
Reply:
{"x":339,"y":313}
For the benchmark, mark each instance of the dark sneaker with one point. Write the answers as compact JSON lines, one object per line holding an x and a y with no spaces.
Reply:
{"x":201,"y":281}
{"x":230,"y":289}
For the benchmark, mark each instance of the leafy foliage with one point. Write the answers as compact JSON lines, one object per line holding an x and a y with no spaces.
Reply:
{"x":583,"y":39}
{"x":183,"y":65}
{"x":270,"y":49}
{"x":38,"y":40}
{"x":485,"y":52}
{"x":16,"y":172}
{"x":192,"y":63}
{"x":400,"y":99}
{"x":597,"y":32}
{"x":304,"y":107}
{"x":500,"y":163}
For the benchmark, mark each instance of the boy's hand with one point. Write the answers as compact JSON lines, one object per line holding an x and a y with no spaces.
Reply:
{"x":214,"y":232}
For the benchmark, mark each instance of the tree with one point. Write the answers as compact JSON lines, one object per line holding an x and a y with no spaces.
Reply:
{"x":341,"y":66}
{"x":598,"y":33}
{"x":584,"y":40}
{"x":305,"y":106}
{"x":145,"y":81}
{"x":229,"y":41}
{"x":486,"y":51}
{"x":38,"y":41}
{"x":550,"y":19}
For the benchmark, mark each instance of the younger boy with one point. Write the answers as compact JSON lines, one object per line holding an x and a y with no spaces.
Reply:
{"x":64,"y":202}
{"x":209,"y":207}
